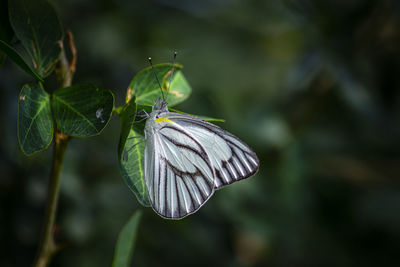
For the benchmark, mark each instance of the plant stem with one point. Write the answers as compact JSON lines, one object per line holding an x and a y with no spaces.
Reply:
{"x":65,"y":72}
{"x":47,"y":244}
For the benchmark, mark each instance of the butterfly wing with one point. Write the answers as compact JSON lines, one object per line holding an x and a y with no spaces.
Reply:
{"x":178,"y":172}
{"x":231,"y":158}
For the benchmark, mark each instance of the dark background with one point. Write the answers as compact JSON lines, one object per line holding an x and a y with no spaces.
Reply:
{"x":313,"y":86}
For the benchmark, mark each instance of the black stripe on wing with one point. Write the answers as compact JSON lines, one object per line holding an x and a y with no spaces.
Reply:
{"x":242,"y":164}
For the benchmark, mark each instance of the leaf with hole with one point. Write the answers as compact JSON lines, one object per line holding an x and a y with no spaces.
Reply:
{"x":35,"y":123}
{"x":36,"y":25}
{"x":126,"y":241}
{"x":146,"y":88}
{"x":82,"y":110}
{"x":131,"y":156}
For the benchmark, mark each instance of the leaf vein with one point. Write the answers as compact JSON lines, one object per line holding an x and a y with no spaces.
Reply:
{"x":42,"y":106}
{"x":76,"y":111}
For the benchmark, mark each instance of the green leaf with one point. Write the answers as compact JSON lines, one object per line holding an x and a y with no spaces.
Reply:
{"x":17,"y":58}
{"x":36,"y":25}
{"x":204,"y":118}
{"x":82,"y":110}
{"x":126,"y":241}
{"x":131,"y":156}
{"x":146,"y":89}
{"x":35,"y":124}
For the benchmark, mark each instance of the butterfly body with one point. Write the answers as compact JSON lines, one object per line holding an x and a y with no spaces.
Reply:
{"x":187,"y":159}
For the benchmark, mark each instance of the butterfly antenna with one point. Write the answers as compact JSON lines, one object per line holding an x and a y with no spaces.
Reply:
{"x":158,"y":81}
{"x":172,"y":74}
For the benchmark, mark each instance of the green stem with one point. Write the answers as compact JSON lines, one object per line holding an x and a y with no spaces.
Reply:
{"x":47,"y":245}
{"x":65,"y":71}
{"x":118,"y":110}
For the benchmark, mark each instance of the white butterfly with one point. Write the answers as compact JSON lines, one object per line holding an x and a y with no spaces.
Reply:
{"x":186,"y":159}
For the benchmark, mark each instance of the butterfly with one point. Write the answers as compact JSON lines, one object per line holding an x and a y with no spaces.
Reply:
{"x":187,"y":159}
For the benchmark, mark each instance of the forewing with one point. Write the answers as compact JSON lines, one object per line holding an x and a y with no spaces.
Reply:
{"x":231,"y":158}
{"x":178,"y":172}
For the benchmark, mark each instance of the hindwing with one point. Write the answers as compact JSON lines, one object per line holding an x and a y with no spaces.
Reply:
{"x":231,"y":158}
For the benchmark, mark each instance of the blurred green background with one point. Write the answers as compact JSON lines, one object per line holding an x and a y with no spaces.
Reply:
{"x":313,"y":86}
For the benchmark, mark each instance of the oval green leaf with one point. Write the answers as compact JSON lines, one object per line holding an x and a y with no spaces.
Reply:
{"x":36,"y":25}
{"x":131,"y":154}
{"x":146,"y":89}
{"x":82,"y":110}
{"x":126,"y":241}
{"x":35,"y":124}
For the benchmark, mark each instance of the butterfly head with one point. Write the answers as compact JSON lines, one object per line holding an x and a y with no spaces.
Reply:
{"x":160,"y":105}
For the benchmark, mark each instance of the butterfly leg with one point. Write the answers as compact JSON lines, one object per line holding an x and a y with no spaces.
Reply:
{"x":135,"y":136}
{"x":126,"y":151}
{"x":144,"y":115}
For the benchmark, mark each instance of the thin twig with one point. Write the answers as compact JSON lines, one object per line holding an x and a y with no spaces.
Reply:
{"x":48,"y":247}
{"x":66,"y":69}
{"x":74,"y":56}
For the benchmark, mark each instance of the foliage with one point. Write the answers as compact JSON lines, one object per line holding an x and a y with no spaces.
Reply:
{"x":35,"y":124}
{"x":311,"y":85}
{"x":126,"y":241}
{"x":80,"y":110}
{"x":36,"y":25}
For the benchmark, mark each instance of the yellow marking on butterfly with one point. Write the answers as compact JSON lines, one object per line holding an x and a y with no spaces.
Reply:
{"x":163,"y":119}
